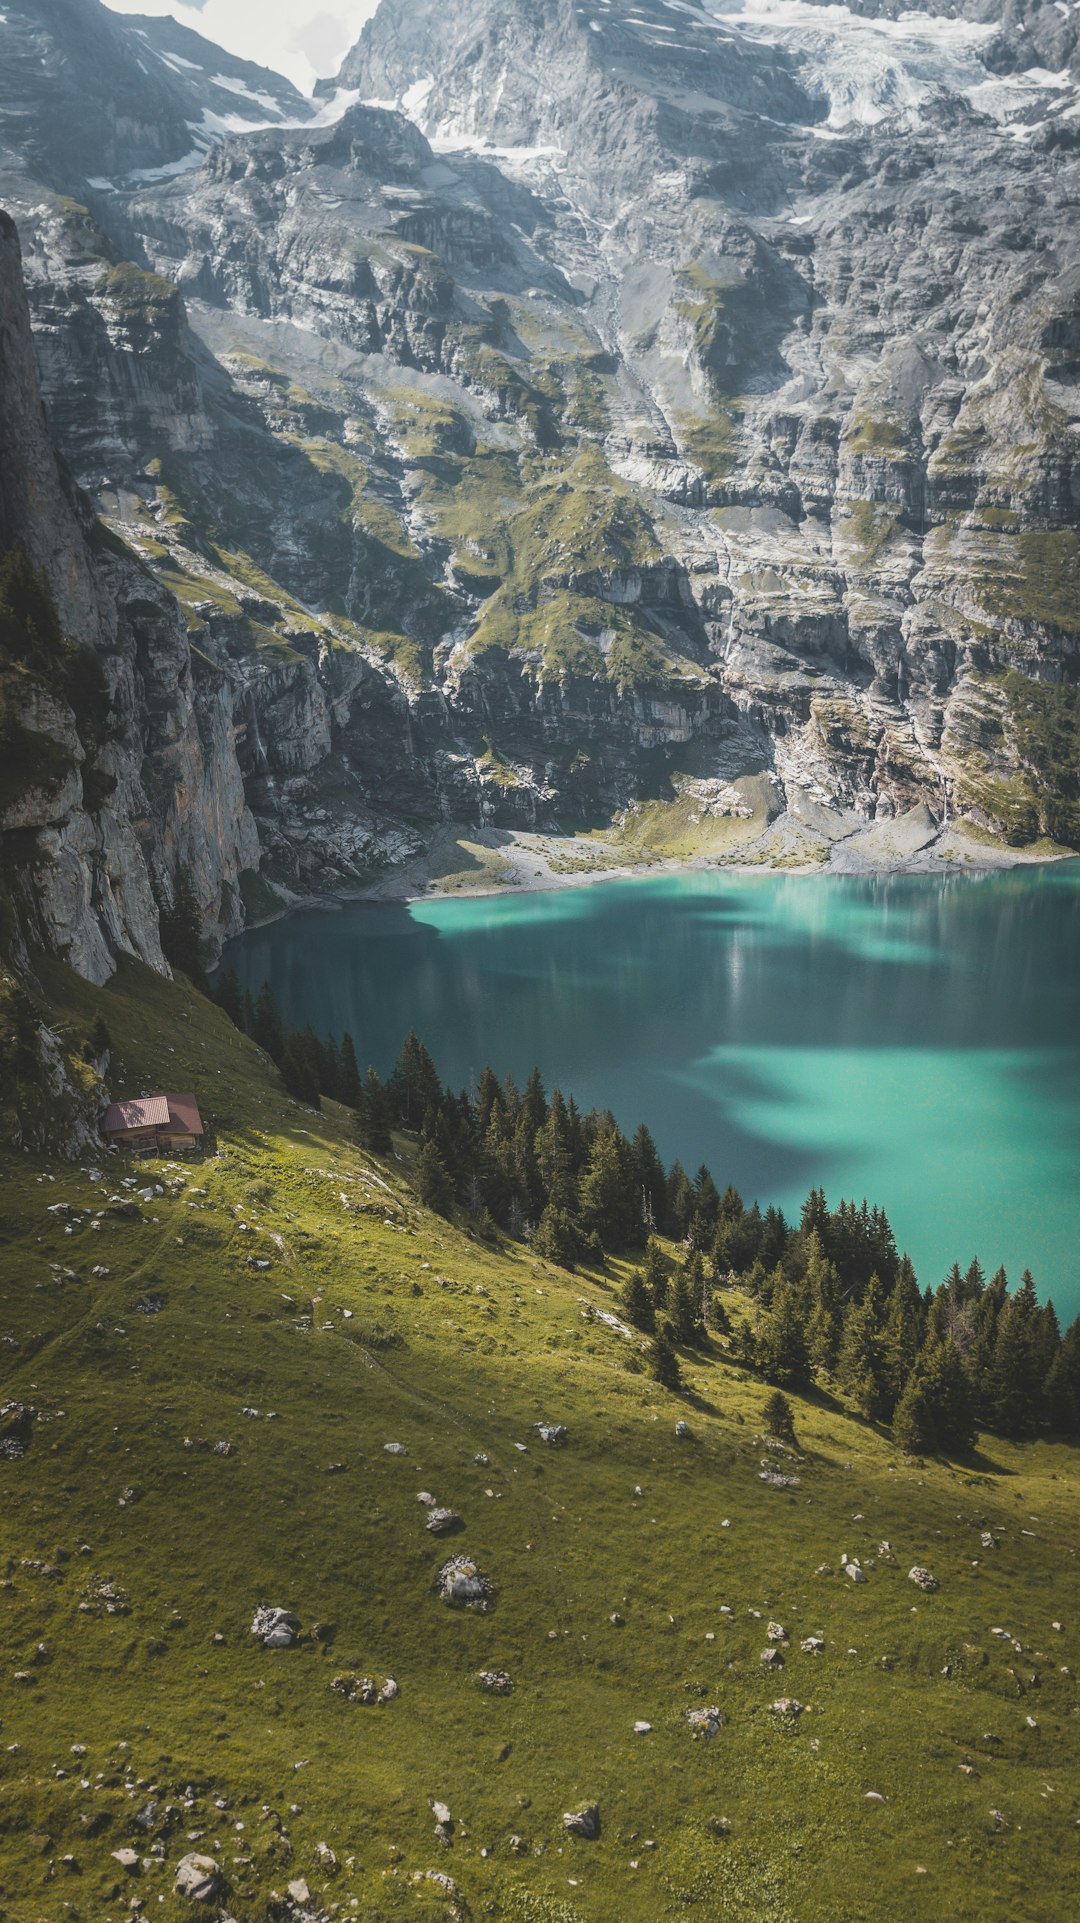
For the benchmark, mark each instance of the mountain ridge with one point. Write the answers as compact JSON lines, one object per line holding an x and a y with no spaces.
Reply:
{"x":538,"y":455}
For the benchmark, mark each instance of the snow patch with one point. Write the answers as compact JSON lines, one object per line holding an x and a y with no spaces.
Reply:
{"x":415,"y":98}
{"x":264,"y":100}
{"x":146,"y":175}
{"x":872,"y":70}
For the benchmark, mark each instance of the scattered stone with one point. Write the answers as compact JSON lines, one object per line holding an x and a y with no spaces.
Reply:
{"x":873,"y":1796}
{"x":299,"y":1892}
{"x":394,"y":1449}
{"x":616,"y":1620}
{"x":777,"y":1633}
{"x":481,"y":1460}
{"x":497,"y":1682}
{"x":786,"y":1706}
{"x":326,"y":1858}
{"x":708,"y":1721}
{"x":551,"y":1432}
{"x":441,"y":1813}
{"x":583,"y":1822}
{"x":516,"y":1845}
{"x":197,"y":1878}
{"x":682,"y":1429}
{"x":923,"y":1579}
{"x":441,"y":1881}
{"x":771,"y":1658}
{"x":443,"y":1522}
{"x":856,"y":1572}
{"x":389,"y":1690}
{"x":460,"y":1581}
{"x":998,"y":1819}
{"x":812,"y":1645}
{"x":356,"y":1689}
{"x":988,"y":1540}
{"x":275,"y":1628}
{"x":774,"y":1480}
{"x":102,"y":1597}
{"x":642,"y":1729}
{"x":128,"y":1859}
{"x":425,"y":1496}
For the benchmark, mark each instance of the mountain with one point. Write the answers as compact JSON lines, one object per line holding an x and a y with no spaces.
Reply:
{"x":660,"y":418}
{"x":93,"y":98}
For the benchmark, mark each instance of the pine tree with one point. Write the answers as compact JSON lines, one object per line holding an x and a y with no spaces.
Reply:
{"x":859,"y":1366}
{"x":558,"y":1238}
{"x":649,"y":1178}
{"x":414,"y":1086}
{"x":913,"y":1422}
{"x":488,"y":1098}
{"x":227,"y":995}
{"x":680,"y":1202}
{"x":101,"y":1040}
{"x":330,"y":1070}
{"x":609,"y":1205}
{"x":180,"y":922}
{"x":534,"y":1104}
{"x":822,"y":1287}
{"x":637,"y":1302}
{"x":948,"y":1395}
{"x":656,"y":1273}
{"x":373,"y":1117}
{"x":781,"y":1342}
{"x":350,"y":1073}
{"x":1015,"y":1380}
{"x":684,"y":1322}
{"x":266,"y":1028}
{"x":297,"y":1072}
{"x":778,"y":1418}
{"x":900,"y":1335}
{"x":555,"y":1156}
{"x":434,"y":1185}
{"x":1063,"y":1385}
{"x":664,"y":1360}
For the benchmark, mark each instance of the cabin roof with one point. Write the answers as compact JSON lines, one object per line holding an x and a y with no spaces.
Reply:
{"x":179,"y":1112}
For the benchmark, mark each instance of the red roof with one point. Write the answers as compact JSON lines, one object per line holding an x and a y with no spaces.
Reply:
{"x":179,"y":1113}
{"x":152,"y":1111}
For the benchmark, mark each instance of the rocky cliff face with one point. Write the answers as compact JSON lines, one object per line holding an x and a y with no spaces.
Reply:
{"x":582,"y":396}
{"x":119,"y":767}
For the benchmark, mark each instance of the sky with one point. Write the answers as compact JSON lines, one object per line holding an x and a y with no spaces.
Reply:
{"x":304,"y":39}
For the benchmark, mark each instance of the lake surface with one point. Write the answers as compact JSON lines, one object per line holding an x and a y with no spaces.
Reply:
{"x":915,"y":1040}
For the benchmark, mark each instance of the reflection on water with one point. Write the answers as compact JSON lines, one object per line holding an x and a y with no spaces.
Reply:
{"x":913,"y":1039}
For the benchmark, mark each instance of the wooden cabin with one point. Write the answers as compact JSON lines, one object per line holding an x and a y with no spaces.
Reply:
{"x":154,"y":1124}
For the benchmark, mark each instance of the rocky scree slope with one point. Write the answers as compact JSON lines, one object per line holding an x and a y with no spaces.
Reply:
{"x":589,"y":403}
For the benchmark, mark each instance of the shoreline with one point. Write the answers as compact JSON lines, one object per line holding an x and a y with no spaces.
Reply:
{"x":463,"y":863}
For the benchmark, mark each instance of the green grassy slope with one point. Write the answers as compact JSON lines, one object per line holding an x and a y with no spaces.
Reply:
{"x":374,"y":1323}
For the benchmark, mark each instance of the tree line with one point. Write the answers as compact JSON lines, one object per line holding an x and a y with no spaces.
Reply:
{"x":835,"y":1304}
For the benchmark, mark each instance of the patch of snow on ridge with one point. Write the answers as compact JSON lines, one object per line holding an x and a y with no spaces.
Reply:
{"x":264,"y":100}
{"x":415,"y":98}
{"x":871,"y":70}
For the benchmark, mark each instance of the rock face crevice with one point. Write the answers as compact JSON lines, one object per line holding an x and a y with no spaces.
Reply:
{"x":566,"y":403}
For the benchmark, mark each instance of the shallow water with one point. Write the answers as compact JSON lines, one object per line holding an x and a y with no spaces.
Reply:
{"x":912,"y":1039}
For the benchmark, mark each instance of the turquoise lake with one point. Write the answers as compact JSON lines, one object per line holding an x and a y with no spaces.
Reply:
{"x":914,"y":1040}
